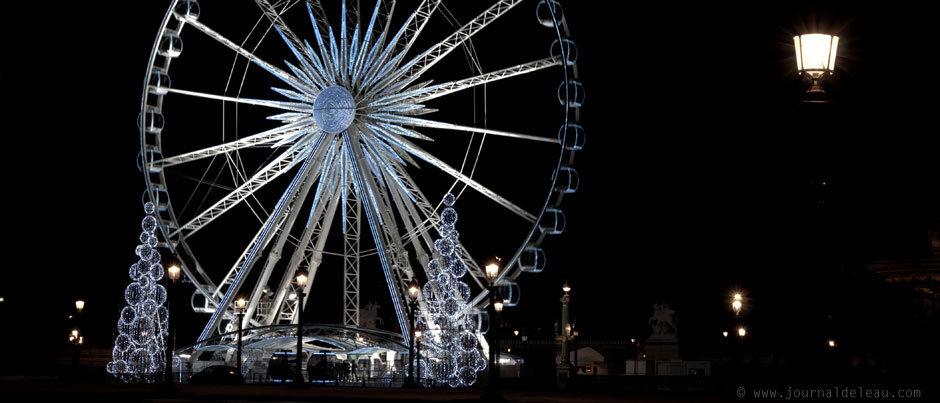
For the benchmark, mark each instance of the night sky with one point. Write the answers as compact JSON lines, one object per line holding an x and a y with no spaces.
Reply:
{"x":701,"y":173}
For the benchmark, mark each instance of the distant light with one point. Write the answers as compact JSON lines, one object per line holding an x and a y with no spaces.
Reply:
{"x":292,"y":296}
{"x":504,"y":361}
{"x":832,"y":343}
{"x":79,"y":305}
{"x":724,"y":334}
{"x":508,"y":350}
{"x":75,"y":333}
{"x":515,"y":333}
{"x":1,"y":299}
{"x":498,"y":306}
{"x":417,"y":333}
{"x":186,"y":356}
{"x":632,"y":340}
{"x":566,"y":288}
{"x":742,"y":332}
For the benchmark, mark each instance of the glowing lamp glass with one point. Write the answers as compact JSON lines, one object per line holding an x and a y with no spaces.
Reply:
{"x":815,"y":52}
{"x":240,"y":304}
{"x":492,"y":270}
{"x":498,"y":306}
{"x":301,"y":279}
{"x":79,"y":305}
{"x":173,"y":272}
{"x":742,"y":332}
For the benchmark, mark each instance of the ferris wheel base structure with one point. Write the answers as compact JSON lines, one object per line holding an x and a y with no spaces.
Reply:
{"x":335,"y":142}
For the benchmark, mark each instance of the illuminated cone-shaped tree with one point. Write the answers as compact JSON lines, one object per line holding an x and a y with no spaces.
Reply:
{"x":139,"y":351}
{"x":451,"y":352}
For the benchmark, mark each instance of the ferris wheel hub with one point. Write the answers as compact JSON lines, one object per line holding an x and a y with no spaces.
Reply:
{"x":334,"y":109}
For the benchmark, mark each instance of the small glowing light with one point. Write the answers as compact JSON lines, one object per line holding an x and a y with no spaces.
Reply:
{"x":492,"y":270}
{"x":74,"y":332}
{"x":301,"y":279}
{"x":508,"y":350}
{"x":240,"y":304}
{"x":832,"y":343}
{"x":644,"y":355}
{"x":292,"y":296}
{"x":413,"y":292}
{"x":173,"y":272}
{"x":498,"y":306}
{"x":186,"y":356}
{"x":736,"y":306}
{"x":632,"y":340}
{"x":742,"y":332}
{"x":515,"y":333}
{"x":566,"y":288}
{"x":417,"y":333}
{"x":724,"y":334}
{"x":737,"y":297}
{"x":1,"y":299}
{"x":79,"y":305}
{"x":81,"y":339}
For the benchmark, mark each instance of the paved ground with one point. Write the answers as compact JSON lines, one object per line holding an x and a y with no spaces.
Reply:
{"x":32,"y":390}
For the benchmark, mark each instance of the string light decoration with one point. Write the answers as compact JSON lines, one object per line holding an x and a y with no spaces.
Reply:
{"x":139,"y":353}
{"x":450,"y":352}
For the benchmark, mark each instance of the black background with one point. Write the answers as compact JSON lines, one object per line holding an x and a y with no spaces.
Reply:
{"x":700,"y":174}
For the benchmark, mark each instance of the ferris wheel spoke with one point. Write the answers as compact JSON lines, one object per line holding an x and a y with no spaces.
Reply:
{"x":266,"y":137}
{"x":363,"y":187}
{"x":434,"y":161}
{"x":261,"y":239}
{"x":440,"y":90}
{"x":406,"y":120}
{"x":280,"y":74}
{"x":288,"y":106}
{"x":422,"y":15}
{"x":441,"y":49}
{"x":265,"y":175}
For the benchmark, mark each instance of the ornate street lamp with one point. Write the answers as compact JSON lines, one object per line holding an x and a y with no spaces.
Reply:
{"x":496,"y":306}
{"x":815,"y":58}
{"x":173,"y":275}
{"x":240,"y":306}
{"x":564,"y":367}
{"x":298,"y":375}
{"x":413,"y":308}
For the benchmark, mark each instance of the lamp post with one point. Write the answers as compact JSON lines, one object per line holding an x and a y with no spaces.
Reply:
{"x":496,"y":306}
{"x":76,"y":338}
{"x":815,"y":58}
{"x":413,"y":308}
{"x":564,"y":367}
{"x":525,"y":350}
{"x":240,"y":305}
{"x":418,"y":356}
{"x":172,"y":274}
{"x":298,"y":375}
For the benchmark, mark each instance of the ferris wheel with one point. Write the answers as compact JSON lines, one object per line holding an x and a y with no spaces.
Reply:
{"x":290,"y":134}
